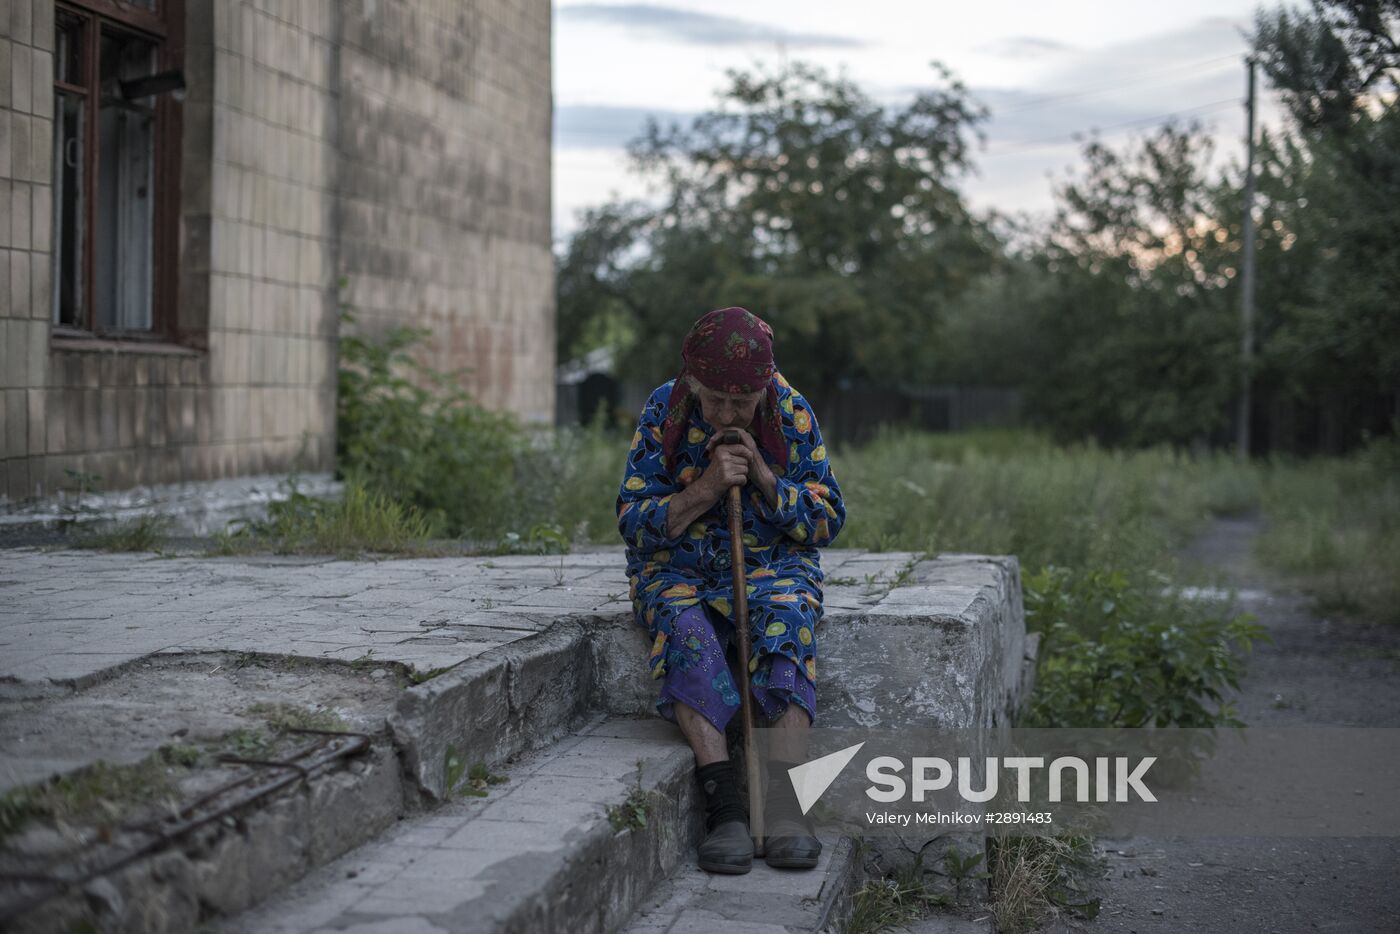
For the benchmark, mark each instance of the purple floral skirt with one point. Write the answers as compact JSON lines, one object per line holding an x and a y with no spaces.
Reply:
{"x":698,"y":674}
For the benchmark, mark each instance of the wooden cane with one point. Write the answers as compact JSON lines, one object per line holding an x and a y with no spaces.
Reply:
{"x":741,"y":622}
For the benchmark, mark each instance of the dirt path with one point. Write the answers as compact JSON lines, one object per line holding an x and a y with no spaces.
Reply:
{"x":1316,"y":672}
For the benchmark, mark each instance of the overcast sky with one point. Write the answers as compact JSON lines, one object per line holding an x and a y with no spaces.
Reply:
{"x":1046,"y":71}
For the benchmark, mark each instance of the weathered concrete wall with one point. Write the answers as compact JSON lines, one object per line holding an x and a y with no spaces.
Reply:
{"x":399,"y":145}
{"x":445,"y":121}
{"x":946,"y":649}
{"x":272,"y":171}
{"x":26,"y":193}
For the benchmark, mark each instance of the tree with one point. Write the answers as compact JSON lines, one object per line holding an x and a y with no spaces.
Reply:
{"x":1331,"y":62}
{"x":1130,"y":324}
{"x":1337,"y":336}
{"x":832,"y":216}
{"x":1135,"y":339}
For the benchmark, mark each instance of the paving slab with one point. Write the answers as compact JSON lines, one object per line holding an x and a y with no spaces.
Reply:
{"x":768,"y":900}
{"x":69,"y":616}
{"x":524,"y":857}
{"x":178,"y":699}
{"x":73,"y":615}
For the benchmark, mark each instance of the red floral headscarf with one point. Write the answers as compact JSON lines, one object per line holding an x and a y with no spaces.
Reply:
{"x":729,"y":350}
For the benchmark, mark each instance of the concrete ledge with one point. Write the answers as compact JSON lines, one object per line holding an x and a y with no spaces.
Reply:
{"x":531,"y":645}
{"x":538,"y":853}
{"x":231,"y":865}
{"x":946,"y":649}
{"x":512,"y":699}
{"x":199,"y":508}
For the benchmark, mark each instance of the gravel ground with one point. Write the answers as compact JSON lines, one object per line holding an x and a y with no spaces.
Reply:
{"x":1317,"y":671}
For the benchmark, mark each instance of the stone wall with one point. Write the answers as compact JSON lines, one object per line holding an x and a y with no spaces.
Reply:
{"x":401,"y":147}
{"x":268,"y":149}
{"x":445,"y":122}
{"x":26,"y":140}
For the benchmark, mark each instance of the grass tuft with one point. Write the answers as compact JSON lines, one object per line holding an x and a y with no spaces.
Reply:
{"x":100,"y":794}
{"x":144,"y":533}
{"x":359,"y":522}
{"x":899,"y":897}
{"x":1034,"y":877}
{"x":283,"y":717}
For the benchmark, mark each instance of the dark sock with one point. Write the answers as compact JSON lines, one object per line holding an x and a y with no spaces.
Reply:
{"x":781,"y":801}
{"x":720,"y":783}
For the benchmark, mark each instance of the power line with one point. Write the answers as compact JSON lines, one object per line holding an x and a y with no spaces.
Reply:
{"x":1147,"y":77}
{"x":1127,"y":124}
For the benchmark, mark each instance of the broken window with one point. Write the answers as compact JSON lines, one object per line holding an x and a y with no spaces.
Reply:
{"x":114,"y":199}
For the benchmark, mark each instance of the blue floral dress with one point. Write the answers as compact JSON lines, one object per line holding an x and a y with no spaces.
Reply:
{"x":669,"y":575}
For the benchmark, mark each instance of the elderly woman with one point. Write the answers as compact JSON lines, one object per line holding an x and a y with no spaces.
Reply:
{"x":671,"y":515}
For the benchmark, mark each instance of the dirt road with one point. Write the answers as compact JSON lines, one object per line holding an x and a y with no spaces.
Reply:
{"x":1316,"y":671}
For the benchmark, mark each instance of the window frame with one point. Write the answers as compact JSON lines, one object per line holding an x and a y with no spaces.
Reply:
{"x":163,"y":27}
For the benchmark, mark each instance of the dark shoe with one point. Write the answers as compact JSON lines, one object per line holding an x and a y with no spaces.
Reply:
{"x":790,"y":844}
{"x":727,"y":846}
{"x":727,"y":849}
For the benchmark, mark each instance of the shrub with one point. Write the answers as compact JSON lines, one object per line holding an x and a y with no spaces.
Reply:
{"x":1118,"y":655}
{"x":412,"y":433}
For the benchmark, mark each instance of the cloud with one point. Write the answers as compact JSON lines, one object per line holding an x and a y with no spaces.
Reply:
{"x":1189,"y":71}
{"x":695,"y":28}
{"x":597,"y":126}
{"x":1025,"y":47}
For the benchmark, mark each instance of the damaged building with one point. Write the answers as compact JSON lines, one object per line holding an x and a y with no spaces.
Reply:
{"x":193,"y":190}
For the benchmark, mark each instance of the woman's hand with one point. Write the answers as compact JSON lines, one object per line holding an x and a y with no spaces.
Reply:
{"x":729,"y":466}
{"x":755,"y":467}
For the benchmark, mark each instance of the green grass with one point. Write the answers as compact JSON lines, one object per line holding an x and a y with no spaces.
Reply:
{"x":283,"y":717}
{"x":100,"y":794}
{"x":1334,"y":525}
{"x":1073,"y":506}
{"x":360,"y":521}
{"x":143,"y":533}
{"x":894,"y":899}
{"x":474,"y":782}
{"x":632,"y":813}
{"x":248,"y":743}
{"x":412,"y":433}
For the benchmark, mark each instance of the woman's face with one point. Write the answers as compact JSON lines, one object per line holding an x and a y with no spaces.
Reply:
{"x":727,"y":409}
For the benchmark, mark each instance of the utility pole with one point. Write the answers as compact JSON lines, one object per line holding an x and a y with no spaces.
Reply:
{"x":1247,"y":277}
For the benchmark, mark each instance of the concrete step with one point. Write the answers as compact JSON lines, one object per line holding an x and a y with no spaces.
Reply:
{"x":516,"y":652}
{"x":223,"y":852}
{"x":538,"y":853}
{"x":764,"y":901}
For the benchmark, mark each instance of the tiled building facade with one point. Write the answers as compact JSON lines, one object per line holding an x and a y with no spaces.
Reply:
{"x":173,"y":261}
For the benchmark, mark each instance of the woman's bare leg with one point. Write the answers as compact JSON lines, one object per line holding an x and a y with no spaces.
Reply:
{"x":705,"y":741}
{"x":789,"y":734}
